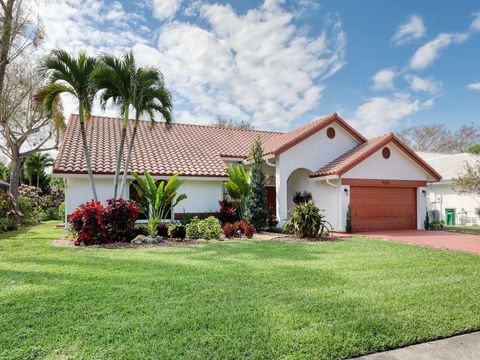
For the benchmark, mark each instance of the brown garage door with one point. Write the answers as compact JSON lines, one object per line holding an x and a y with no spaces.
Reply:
{"x":383,"y":208}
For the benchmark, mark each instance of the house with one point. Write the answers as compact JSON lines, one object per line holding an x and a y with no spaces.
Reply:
{"x":382,"y":179}
{"x":4,"y":186}
{"x":442,"y":198}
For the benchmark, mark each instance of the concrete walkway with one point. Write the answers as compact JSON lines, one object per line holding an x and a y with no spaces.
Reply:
{"x":462,"y":347}
{"x":437,"y":239}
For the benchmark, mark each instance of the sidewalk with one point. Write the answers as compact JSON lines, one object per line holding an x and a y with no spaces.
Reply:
{"x":462,"y":347}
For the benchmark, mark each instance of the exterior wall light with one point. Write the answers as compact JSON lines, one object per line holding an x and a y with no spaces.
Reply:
{"x":345,"y":191}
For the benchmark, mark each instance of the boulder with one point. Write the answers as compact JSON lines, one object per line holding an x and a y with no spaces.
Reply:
{"x":139,"y":239}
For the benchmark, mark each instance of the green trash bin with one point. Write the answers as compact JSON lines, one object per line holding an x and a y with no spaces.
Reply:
{"x":450,"y":216}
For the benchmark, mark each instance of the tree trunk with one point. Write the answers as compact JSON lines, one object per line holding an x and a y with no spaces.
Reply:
{"x":38,"y":180}
{"x":87,"y":155}
{"x":119,"y":162}
{"x":5,"y":41}
{"x":14,"y":181}
{"x":127,"y":162}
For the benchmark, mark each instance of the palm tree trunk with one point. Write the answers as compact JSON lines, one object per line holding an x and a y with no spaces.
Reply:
{"x":38,"y":180}
{"x":87,"y":154}
{"x":127,"y":162}
{"x":120,"y":153}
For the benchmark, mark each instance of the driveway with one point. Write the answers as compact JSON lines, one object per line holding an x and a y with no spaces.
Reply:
{"x":437,"y":239}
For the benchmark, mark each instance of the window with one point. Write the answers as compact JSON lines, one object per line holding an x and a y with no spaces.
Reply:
{"x":386,"y":152}
{"x":331,"y":132}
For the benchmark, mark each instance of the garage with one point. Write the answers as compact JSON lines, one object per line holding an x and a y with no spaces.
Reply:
{"x":383,"y":208}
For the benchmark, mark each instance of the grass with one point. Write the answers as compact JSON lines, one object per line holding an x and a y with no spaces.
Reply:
{"x":232,"y":299}
{"x":464,"y":229}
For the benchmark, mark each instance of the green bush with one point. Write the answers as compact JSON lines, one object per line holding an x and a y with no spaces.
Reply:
{"x":30,"y":214}
{"x":306,"y":220}
{"x":6,"y":212}
{"x":61,"y":211}
{"x":436,"y":225}
{"x":348,"y":226}
{"x":208,"y":228}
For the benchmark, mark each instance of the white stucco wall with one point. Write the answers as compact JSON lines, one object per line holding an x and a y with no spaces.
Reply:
{"x":441,"y":196}
{"x":202,"y":195}
{"x":77,"y":191}
{"x":312,"y":153}
{"x":398,"y":167}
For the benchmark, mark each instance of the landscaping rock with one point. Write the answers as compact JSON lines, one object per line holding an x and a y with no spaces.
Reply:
{"x":139,"y":239}
{"x":153,"y":239}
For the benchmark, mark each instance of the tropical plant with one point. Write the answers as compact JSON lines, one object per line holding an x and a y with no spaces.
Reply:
{"x":113,"y":77}
{"x":300,"y":198}
{"x":70,"y":75}
{"x":177,"y":231}
{"x":348,"y":225}
{"x":88,"y":224}
{"x":238,"y":186}
{"x":229,"y":230}
{"x":35,"y":165}
{"x":255,"y":207}
{"x":208,"y":228}
{"x":307,"y":220}
{"x":150,"y":96}
{"x":246,"y":228}
{"x":227,"y":212}
{"x":160,"y":198}
{"x":119,"y":217}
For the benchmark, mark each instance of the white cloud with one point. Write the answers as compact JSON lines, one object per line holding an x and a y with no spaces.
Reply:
{"x":381,"y":114}
{"x":384,"y":79}
{"x":165,"y":9}
{"x":419,"y":84}
{"x":257,"y":66}
{"x":474,"y":86}
{"x":413,"y":29}
{"x":428,"y":53}
{"x":476,"y":22}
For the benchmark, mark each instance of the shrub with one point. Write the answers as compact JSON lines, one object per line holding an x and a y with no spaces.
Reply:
{"x":208,"y":228}
{"x":61,"y":211}
{"x":153,"y":226}
{"x":436,"y":225}
{"x":300,"y":198}
{"x":246,"y":228}
{"x":177,"y":231}
{"x":119,"y":218}
{"x":27,"y":208}
{"x":348,"y":225}
{"x":7,"y":212}
{"x":229,"y":230}
{"x":227,"y":213}
{"x":162,"y":230}
{"x":88,"y":224}
{"x":141,"y":229}
{"x":272,"y":221}
{"x":306,"y":220}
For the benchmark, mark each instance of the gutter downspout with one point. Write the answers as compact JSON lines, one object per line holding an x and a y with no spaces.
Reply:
{"x":269,"y":163}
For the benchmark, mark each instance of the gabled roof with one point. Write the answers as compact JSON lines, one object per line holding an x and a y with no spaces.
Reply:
{"x":351,"y":158}
{"x":279,"y":144}
{"x":191,"y":150}
{"x":449,"y":165}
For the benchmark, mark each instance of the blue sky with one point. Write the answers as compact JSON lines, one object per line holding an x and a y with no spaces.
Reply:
{"x":382,"y":65}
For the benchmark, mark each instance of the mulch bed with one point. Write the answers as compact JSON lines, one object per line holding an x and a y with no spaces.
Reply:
{"x":69,"y":243}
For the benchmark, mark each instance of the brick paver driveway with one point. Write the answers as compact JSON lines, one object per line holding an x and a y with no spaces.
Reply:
{"x":437,"y":239}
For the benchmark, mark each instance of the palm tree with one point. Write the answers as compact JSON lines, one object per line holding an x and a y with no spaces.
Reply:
{"x":36,"y":164}
{"x":113,"y":77}
{"x":70,"y":75}
{"x":149,"y":97}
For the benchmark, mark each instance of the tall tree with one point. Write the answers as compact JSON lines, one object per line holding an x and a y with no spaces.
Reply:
{"x":70,"y":75}
{"x":113,"y":77}
{"x":437,"y":138}
{"x":150,"y":96}
{"x":255,"y":208}
{"x":223,"y":122}
{"x":26,"y":128}
{"x":469,"y":182}
{"x":19,"y":31}
{"x":35,"y":165}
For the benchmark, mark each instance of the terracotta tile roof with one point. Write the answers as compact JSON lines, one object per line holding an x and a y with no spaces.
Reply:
{"x":278,"y":144}
{"x":359,"y":153}
{"x":192,"y":150}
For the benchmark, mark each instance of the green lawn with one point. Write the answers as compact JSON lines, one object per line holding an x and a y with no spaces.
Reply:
{"x":465,"y":229}
{"x":232,"y":299}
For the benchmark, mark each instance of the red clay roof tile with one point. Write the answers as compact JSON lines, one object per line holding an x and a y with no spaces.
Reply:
{"x":191,"y":150}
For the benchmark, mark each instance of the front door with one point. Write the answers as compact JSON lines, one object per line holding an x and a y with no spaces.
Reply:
{"x":271,"y":201}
